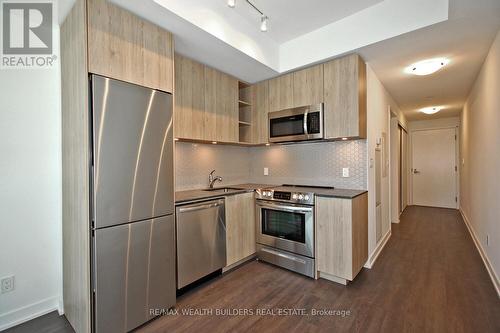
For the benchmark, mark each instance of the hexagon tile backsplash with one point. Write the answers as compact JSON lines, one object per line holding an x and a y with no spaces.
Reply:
{"x":312,"y":164}
{"x":304,"y":164}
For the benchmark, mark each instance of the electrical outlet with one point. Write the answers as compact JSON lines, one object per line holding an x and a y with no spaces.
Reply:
{"x":345,"y":172}
{"x":266,"y":171}
{"x":7,"y":284}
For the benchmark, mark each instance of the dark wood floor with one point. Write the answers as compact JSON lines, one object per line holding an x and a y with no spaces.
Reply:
{"x":429,"y":278}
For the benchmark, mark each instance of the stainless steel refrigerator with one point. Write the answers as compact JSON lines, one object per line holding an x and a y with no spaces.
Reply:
{"x":132,"y":204}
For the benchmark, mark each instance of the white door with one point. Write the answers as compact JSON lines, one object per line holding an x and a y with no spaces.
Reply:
{"x":433,"y":170}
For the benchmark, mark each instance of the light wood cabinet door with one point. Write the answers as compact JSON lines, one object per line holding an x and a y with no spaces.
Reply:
{"x":125,"y":47}
{"x":308,"y":86}
{"x":211,"y":106}
{"x":281,"y":92}
{"x":345,"y":97}
{"x":260,"y":109}
{"x":240,"y":227}
{"x":341,"y":235}
{"x":227,"y":116}
{"x":189,"y":99}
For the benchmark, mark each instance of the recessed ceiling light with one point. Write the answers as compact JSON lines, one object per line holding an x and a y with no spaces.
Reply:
{"x":344,"y":139}
{"x":231,"y":3}
{"x":426,"y":67}
{"x":431,"y":109}
{"x":214,"y":142}
{"x":268,"y":144}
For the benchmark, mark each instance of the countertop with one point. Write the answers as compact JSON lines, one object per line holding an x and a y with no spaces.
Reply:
{"x":182,"y":197}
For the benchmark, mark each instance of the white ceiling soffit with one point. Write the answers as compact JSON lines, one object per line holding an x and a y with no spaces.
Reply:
{"x":290,"y":19}
{"x":230,"y":40}
{"x":196,"y":43}
{"x":382,"y":21}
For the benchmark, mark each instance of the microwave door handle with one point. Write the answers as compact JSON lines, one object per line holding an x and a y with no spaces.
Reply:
{"x":305,"y":124}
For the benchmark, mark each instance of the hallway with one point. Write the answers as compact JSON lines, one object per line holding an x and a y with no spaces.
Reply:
{"x":429,"y":278}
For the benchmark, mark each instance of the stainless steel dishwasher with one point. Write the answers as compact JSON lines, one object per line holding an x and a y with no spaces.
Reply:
{"x":201,"y":240}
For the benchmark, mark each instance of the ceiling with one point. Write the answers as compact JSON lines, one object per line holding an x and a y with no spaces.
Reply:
{"x":465,"y":38}
{"x":289,"y":19}
{"x":389,"y":34}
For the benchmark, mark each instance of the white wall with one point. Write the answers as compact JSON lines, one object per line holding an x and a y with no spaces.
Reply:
{"x":480,"y":154}
{"x":30,"y":195}
{"x":378,"y":100}
{"x":434,"y":123}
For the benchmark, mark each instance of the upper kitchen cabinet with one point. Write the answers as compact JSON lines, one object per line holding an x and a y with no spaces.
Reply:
{"x":125,"y":47}
{"x":226,"y":122}
{"x":260,"y":109}
{"x":206,"y":103}
{"x":308,"y":86}
{"x":189,"y":106}
{"x":345,"y":97}
{"x":281,"y":92}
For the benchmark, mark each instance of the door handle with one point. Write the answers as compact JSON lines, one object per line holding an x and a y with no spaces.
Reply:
{"x":200,"y":207}
{"x":415,"y":171}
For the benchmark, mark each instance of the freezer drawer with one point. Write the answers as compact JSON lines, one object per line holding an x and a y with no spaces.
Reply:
{"x":132,"y":152}
{"x":134,"y":273}
{"x":201,"y":240}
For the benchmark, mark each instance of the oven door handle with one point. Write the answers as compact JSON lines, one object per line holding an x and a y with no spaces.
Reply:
{"x":292,"y":209}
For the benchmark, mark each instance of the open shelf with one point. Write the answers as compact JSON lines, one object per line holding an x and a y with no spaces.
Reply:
{"x":245,"y":112}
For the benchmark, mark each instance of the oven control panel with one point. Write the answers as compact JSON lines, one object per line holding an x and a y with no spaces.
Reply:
{"x":298,"y":197}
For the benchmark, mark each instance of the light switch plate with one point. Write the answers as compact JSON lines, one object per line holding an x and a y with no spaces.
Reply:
{"x":266,"y":171}
{"x":345,"y":172}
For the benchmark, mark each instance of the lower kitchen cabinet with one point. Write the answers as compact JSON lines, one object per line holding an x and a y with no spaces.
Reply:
{"x":341,"y":237}
{"x":240,"y":227}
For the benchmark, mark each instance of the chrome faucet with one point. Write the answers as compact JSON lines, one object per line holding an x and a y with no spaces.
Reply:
{"x":212,"y":179}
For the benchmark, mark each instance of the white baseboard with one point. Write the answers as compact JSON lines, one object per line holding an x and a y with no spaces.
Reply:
{"x":482,"y":253}
{"x":28,"y":312}
{"x":373,"y":257}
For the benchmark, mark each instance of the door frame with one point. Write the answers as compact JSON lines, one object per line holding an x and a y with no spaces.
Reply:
{"x":457,"y":158}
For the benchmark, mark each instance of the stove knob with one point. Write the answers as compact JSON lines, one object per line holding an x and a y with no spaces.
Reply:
{"x":294,"y":196}
{"x":306,"y":197}
{"x":301,"y":197}
{"x":269,"y":194}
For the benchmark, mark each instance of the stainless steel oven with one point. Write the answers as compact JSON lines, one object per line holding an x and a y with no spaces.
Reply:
{"x":297,"y":124}
{"x":285,"y":229}
{"x":286,"y":226}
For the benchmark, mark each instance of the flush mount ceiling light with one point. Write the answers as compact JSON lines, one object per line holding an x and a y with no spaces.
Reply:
{"x":431,"y":109}
{"x":426,"y":67}
{"x":263,"y":18}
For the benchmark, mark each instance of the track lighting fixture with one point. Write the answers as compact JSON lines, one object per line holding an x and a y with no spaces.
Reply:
{"x":263,"y":17}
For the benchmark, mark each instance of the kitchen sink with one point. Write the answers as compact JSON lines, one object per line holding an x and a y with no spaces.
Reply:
{"x":222,"y":189}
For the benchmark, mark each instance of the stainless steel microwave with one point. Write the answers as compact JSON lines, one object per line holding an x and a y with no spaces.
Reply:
{"x":297,"y":124}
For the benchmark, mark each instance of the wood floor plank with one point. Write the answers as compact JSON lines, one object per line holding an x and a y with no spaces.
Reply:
{"x":429,"y":278}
